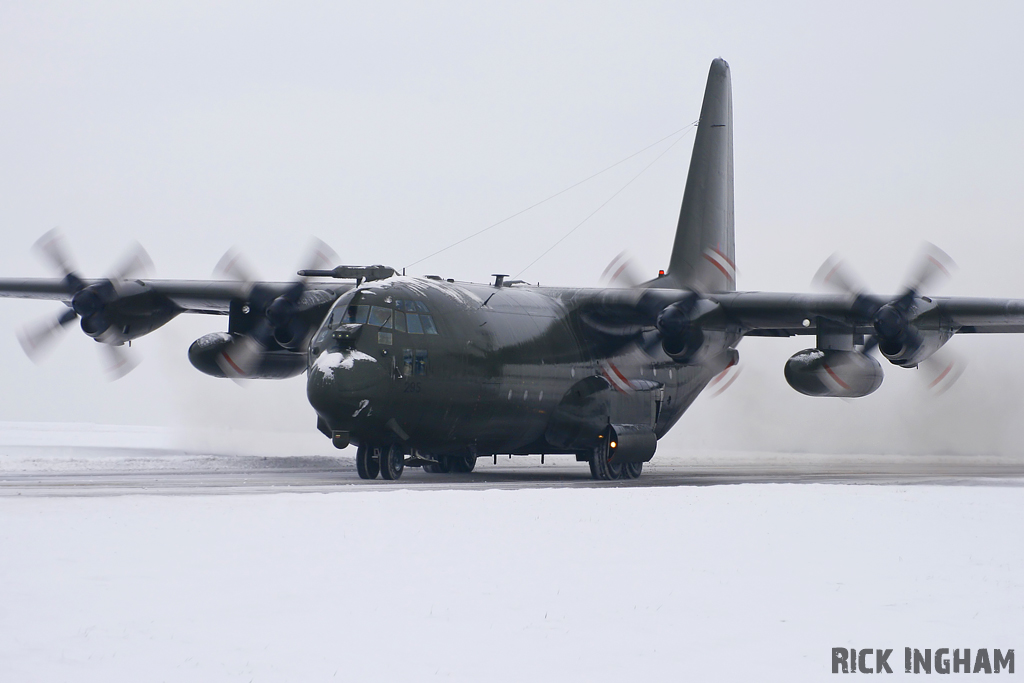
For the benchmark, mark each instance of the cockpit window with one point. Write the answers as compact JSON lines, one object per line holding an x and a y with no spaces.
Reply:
{"x":428,"y":324}
{"x":411,"y":317}
{"x":420,"y":324}
{"x":411,"y":306}
{"x":380,"y":316}
{"x":357,"y":314}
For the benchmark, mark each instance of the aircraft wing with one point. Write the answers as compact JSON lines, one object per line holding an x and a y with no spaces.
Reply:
{"x":191,"y":296}
{"x":777,"y":314}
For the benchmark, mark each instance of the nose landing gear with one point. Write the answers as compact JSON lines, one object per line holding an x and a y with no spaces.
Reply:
{"x":392,"y":462}
{"x":388,"y":461}
{"x":368,"y":461}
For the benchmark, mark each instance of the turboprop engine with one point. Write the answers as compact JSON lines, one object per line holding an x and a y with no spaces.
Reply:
{"x":682,"y":338}
{"x":840,"y":374}
{"x":901,"y":342}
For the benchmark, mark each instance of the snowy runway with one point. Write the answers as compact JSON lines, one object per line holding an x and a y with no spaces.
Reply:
{"x":517,"y":572}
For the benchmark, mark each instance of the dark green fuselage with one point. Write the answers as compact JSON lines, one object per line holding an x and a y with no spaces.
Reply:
{"x":516,"y":369}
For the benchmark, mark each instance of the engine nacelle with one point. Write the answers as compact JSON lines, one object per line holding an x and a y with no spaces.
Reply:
{"x":682,"y":337}
{"x":684,"y":346}
{"x":841,"y":374}
{"x":205,"y":352}
{"x":913,"y":347}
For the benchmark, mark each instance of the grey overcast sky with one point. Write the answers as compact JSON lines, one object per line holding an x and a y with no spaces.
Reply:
{"x":393,"y":129}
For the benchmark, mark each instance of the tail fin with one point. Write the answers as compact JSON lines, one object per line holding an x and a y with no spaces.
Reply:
{"x":704,"y":255}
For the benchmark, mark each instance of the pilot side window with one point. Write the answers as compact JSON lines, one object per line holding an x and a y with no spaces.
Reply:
{"x":380,"y":316}
{"x":357,"y":314}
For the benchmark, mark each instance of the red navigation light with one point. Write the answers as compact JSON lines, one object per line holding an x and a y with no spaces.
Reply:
{"x":661,"y":273}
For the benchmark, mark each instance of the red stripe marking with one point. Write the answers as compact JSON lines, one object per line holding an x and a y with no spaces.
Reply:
{"x":612,"y":381}
{"x":942,"y":375}
{"x":617,"y":379}
{"x":611,"y":265}
{"x":232,"y":363}
{"x":621,"y":376}
{"x":724,"y":258}
{"x":718,"y":265}
{"x":720,"y":376}
{"x":727,"y":385}
{"x":936,"y":262}
{"x":840,"y":382}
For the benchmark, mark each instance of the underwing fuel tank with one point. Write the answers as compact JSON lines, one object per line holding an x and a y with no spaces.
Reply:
{"x":279,"y":364}
{"x":840,"y":374}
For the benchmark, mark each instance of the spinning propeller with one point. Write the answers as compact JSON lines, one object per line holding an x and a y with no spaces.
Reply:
{"x":894,"y":332}
{"x":91,"y":303}
{"x":675,"y":332}
{"x":279,"y":322}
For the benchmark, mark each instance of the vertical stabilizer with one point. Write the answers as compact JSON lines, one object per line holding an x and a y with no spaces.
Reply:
{"x":703,"y":256}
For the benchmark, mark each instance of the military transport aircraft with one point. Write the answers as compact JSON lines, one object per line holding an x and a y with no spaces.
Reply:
{"x":436,"y":373}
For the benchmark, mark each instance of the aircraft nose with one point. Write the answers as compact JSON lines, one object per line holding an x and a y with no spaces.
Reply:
{"x":345,"y":384}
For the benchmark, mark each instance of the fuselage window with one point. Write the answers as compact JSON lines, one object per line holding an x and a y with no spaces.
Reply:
{"x":414,"y":362}
{"x":420,"y":368}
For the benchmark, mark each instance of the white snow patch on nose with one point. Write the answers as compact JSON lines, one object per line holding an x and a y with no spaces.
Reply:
{"x":326,"y":363}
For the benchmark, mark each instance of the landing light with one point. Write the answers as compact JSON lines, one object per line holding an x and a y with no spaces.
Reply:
{"x":613,"y":444}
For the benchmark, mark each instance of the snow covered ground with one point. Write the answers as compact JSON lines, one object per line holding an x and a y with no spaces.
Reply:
{"x":743,"y":582}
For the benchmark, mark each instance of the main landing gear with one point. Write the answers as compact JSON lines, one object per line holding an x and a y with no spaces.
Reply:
{"x":451,"y":463}
{"x":603,"y":469}
{"x":388,"y":461}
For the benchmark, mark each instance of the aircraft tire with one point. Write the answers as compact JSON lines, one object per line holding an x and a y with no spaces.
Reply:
{"x":368,"y":461}
{"x":462,"y":463}
{"x":616,"y":471}
{"x":601,"y":467}
{"x":632,"y":470}
{"x":392,"y":462}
